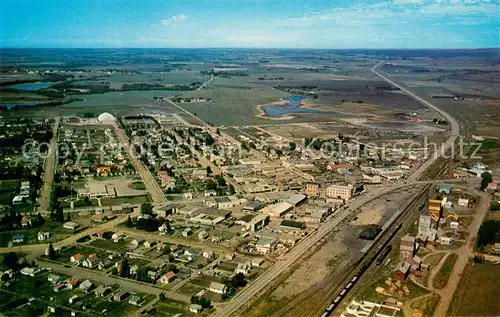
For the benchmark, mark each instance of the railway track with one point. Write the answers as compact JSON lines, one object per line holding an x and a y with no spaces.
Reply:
{"x":324,"y":297}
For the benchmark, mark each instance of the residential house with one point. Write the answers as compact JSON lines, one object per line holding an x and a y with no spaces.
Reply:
{"x":195,"y":308}
{"x":73,"y":299}
{"x":208,"y":254}
{"x":202,"y":235}
{"x":187,"y":232}
{"x":102,"y":291}
{"x":103,"y":265}
{"x":149,"y":243}
{"x":243,"y":268}
{"x":462,"y":202}
{"x":92,"y":261}
{"x":133,"y":270}
{"x":210,"y":193}
{"x":26,"y":221}
{"x":137,"y":241}
{"x":218,"y":288}
{"x":86,"y":286}
{"x":71,"y":225}
{"x":54,"y":279}
{"x":77,"y":258}
{"x":445,"y":240}
{"x":118,"y":297}
{"x":134,"y":300}
{"x":99,"y":218}
{"x":167,"y":278}
{"x":117,"y":236}
{"x":18,"y":238}
{"x":191,"y":254}
{"x":257,"y":262}
{"x":188,"y":195}
{"x":42,"y":236}
{"x":30,"y":271}
{"x":72,"y":283}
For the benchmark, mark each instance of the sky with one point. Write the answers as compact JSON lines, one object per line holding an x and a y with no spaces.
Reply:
{"x":326,"y":24}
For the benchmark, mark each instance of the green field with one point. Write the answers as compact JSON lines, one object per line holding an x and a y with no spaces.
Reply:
{"x":231,"y":106}
{"x":477,"y":292}
{"x":118,"y":98}
{"x":175,"y":77}
{"x":441,"y":278}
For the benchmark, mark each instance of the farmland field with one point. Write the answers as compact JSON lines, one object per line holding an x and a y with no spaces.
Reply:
{"x":477,"y":292}
{"x":119,"y":98}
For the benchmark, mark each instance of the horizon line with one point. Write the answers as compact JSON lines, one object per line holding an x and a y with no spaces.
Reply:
{"x":257,"y":48}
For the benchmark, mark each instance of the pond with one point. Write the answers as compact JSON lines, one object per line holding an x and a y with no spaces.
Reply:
{"x":32,"y":86}
{"x":292,"y":105}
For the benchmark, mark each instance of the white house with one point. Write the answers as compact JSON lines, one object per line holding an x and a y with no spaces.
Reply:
{"x":137,"y":241}
{"x":463,"y":202}
{"x":218,"y":288}
{"x":43,"y":236}
{"x":445,"y":241}
{"x":70,"y":225}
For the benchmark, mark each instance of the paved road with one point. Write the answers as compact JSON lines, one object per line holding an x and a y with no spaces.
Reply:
{"x":452,"y":122}
{"x":149,"y":181}
{"x":308,"y":242}
{"x":463,"y":256}
{"x":208,"y":82}
{"x":48,"y":171}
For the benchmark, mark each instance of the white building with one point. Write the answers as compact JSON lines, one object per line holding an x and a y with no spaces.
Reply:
{"x":340,"y":191}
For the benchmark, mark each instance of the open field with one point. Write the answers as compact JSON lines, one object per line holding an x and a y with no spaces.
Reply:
{"x":442,"y":276}
{"x":477,"y":291}
{"x":119,"y":98}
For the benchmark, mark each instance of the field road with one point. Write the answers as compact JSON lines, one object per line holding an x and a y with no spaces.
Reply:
{"x":206,"y":83}
{"x":455,"y":130}
{"x":152,"y":186}
{"x":106,"y":279}
{"x":463,"y":257}
{"x":48,"y":170}
{"x":307,"y":243}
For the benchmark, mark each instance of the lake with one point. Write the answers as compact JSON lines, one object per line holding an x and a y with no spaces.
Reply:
{"x":292,"y":105}
{"x":31,"y":86}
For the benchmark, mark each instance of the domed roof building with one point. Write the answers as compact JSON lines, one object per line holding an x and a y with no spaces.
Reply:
{"x":106,"y":117}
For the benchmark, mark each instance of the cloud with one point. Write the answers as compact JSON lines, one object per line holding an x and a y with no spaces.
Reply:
{"x":407,"y":2}
{"x":175,"y":19}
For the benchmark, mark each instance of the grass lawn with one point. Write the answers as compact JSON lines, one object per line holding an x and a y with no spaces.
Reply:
{"x":109,"y":244}
{"x":477,"y":291}
{"x":121,"y":200}
{"x":137,"y":185}
{"x":190,"y":289}
{"x":441,"y":278}
{"x":205,"y":280}
{"x":171,"y":307}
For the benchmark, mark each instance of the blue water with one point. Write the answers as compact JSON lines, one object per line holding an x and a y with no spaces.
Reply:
{"x":14,"y":105}
{"x":293,"y":106}
{"x":31,"y":86}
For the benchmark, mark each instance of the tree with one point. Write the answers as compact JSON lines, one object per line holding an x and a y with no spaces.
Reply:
{"x":202,"y":301}
{"x":125,"y":268}
{"x":146,"y":208}
{"x":238,"y":280}
{"x":40,"y":220}
{"x":486,"y":179}
{"x":59,"y":213}
{"x":11,"y":261}
{"x":52,"y":252}
{"x":209,"y":170}
{"x":488,"y":233}
{"x":163,"y":296}
{"x":129,"y":222}
{"x":68,"y":216}
{"x":292,"y":146}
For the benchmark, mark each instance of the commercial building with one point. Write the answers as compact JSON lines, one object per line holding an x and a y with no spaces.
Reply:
{"x":279,"y":209}
{"x":266,"y":245}
{"x":340,"y":191}
{"x":407,"y":248}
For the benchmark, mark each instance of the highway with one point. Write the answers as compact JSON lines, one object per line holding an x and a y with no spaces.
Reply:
{"x":454,"y":127}
{"x":307,"y":243}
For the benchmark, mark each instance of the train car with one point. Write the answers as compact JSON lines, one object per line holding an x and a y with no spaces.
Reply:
{"x":349,"y":285}
{"x":354,"y":279}
{"x":342,"y":293}
{"x":325,"y":314}
{"x":384,"y":253}
{"x":336,"y":300}
{"x":330,"y":307}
